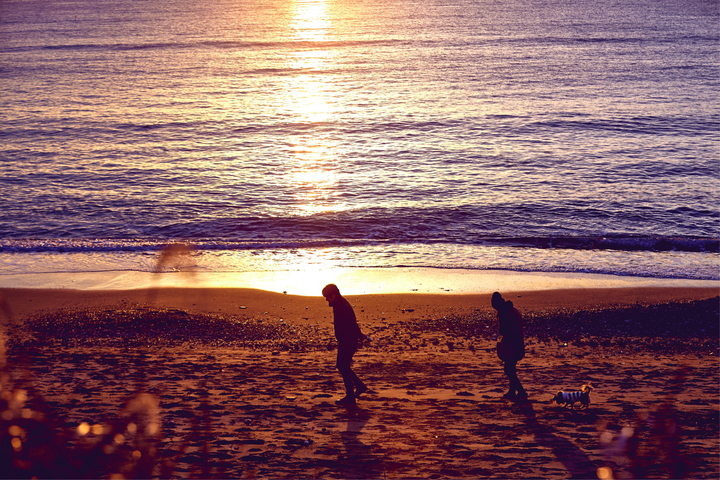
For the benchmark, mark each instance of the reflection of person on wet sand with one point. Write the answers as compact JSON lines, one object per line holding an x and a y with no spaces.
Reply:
{"x":357,"y":461}
{"x":349,"y":339}
{"x":511,"y":348}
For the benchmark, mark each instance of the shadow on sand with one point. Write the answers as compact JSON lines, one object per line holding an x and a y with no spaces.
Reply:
{"x":574,"y":459}
{"x":357,"y":460}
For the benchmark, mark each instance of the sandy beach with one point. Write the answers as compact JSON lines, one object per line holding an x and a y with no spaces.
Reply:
{"x":240,"y":383}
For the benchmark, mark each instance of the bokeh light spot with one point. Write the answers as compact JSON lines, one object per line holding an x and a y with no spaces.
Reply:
{"x":604,"y":473}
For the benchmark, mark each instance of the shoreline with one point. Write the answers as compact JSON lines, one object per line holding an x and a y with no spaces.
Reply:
{"x":352,"y":281}
{"x":20,"y":303}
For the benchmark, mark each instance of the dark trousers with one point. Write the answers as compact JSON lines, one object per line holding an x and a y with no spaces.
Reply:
{"x":511,"y":373}
{"x":344,"y":360}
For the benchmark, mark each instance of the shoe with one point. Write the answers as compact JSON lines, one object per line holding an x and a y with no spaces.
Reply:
{"x":521,"y":395}
{"x":509,"y":396}
{"x":360,"y":390}
{"x":345,"y":401}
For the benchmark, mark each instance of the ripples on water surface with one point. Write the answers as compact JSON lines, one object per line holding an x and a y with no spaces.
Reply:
{"x":529,"y":135}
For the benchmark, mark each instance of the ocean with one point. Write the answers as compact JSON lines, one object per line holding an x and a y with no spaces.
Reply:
{"x":277,"y":135}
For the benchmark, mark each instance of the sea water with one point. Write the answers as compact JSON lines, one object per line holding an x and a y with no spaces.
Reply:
{"x":279,"y":135}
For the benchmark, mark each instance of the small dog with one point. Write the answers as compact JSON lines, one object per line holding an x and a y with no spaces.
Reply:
{"x":569,"y":398}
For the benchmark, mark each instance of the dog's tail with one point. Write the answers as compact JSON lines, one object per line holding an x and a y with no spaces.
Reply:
{"x":587,"y":387}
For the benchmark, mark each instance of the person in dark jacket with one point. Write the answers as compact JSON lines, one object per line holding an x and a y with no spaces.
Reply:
{"x":511,"y":349}
{"x":349,"y":338}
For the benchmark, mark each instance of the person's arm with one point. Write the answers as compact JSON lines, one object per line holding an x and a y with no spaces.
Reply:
{"x":517,"y":332}
{"x":359,"y":334}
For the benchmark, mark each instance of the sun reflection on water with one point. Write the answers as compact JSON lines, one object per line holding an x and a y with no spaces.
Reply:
{"x":314,"y":179}
{"x":311,"y":20}
{"x":310,"y":93}
{"x":312,"y":99}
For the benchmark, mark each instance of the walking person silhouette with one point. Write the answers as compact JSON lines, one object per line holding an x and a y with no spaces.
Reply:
{"x":350,"y":338}
{"x":511,"y":348}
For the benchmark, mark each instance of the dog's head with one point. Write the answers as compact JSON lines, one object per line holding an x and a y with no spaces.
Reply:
{"x":587,"y":388}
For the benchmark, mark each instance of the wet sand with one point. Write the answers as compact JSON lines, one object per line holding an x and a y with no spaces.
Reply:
{"x":241,"y":383}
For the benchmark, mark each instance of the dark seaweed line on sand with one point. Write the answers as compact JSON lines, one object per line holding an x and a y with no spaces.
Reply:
{"x":674,"y":327}
{"x":682,"y":320}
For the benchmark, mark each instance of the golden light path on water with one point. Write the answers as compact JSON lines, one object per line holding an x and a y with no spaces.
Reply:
{"x":310,"y":20}
{"x":311,"y":97}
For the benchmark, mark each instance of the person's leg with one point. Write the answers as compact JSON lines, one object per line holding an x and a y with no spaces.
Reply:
{"x":521,"y":393}
{"x":344,"y":360}
{"x":516,"y":389}
{"x":511,"y":374}
{"x":347,"y":376}
{"x":360,"y":387}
